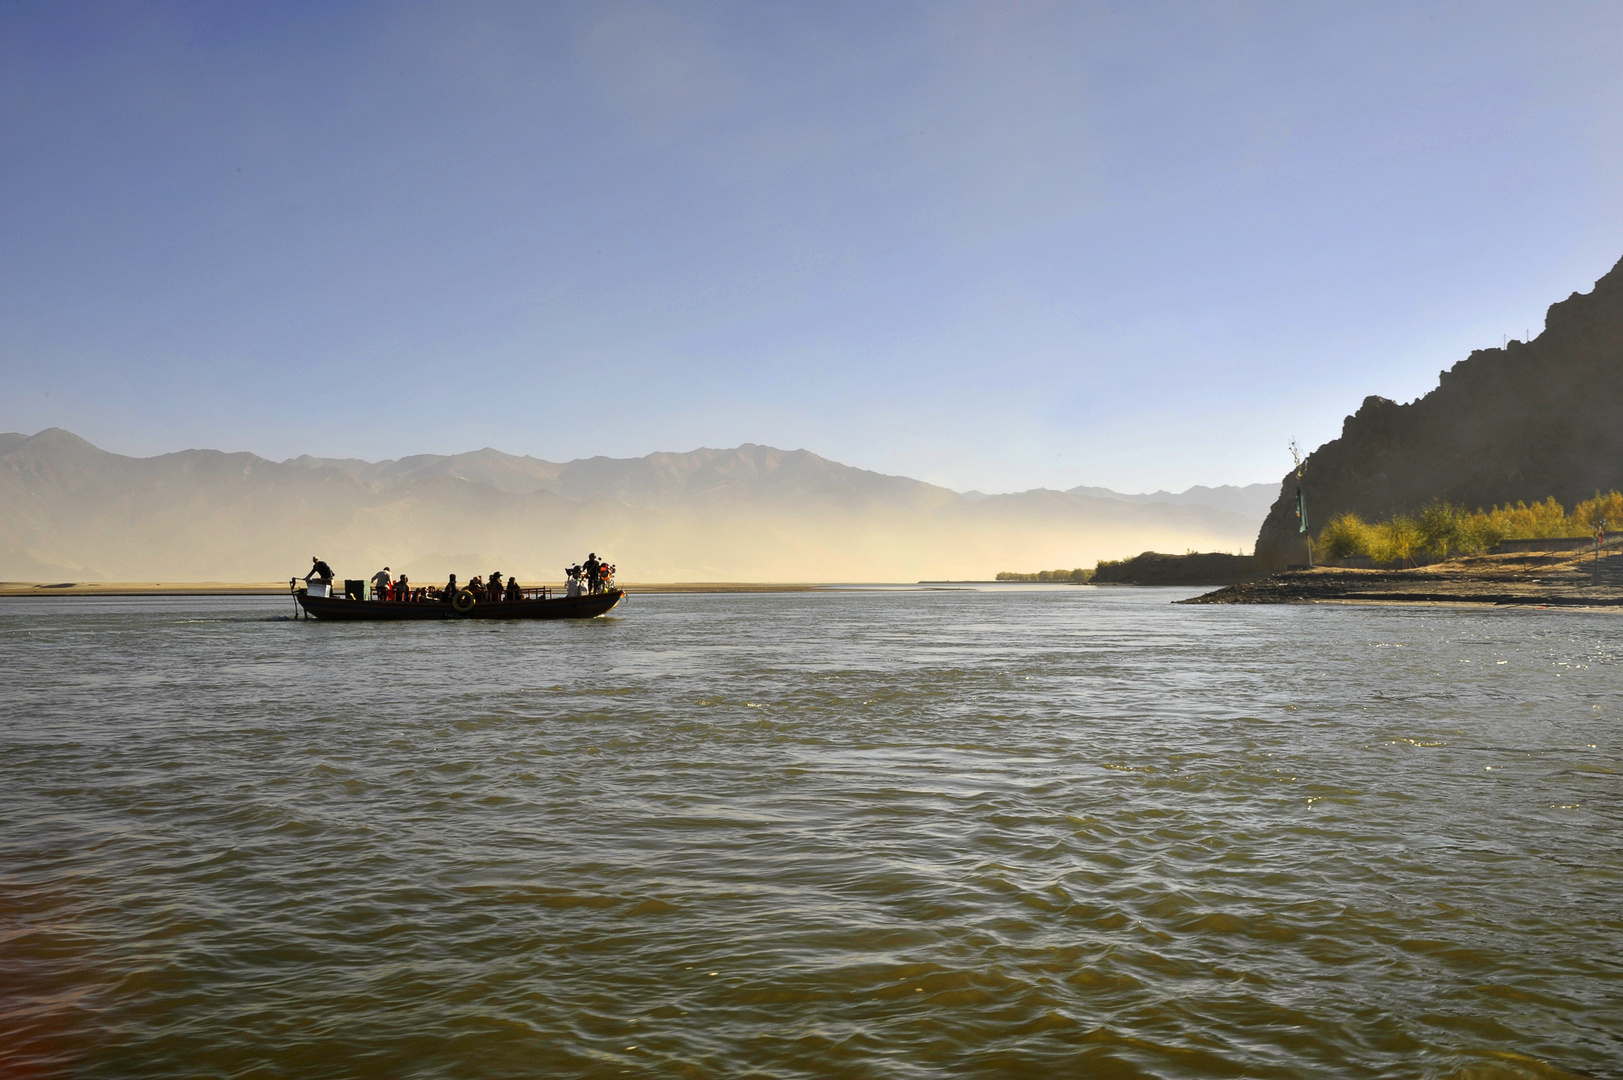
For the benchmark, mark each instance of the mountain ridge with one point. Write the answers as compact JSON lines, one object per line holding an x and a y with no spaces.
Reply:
{"x":69,"y":508}
{"x":1246,"y":499}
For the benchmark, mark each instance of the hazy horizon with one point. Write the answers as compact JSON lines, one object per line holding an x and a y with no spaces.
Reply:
{"x":995,"y":248}
{"x":752,"y":513}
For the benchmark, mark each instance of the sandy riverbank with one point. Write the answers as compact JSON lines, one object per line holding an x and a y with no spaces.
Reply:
{"x":1530,"y":578}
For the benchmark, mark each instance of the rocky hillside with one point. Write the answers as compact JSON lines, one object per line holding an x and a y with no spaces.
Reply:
{"x":1534,"y":419}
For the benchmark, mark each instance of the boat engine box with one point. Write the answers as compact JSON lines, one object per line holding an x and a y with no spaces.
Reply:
{"x":318,"y":589}
{"x":354,"y":589}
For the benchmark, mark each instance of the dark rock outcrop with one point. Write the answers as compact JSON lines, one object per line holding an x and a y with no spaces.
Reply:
{"x":1196,"y":568}
{"x":1525,"y":422}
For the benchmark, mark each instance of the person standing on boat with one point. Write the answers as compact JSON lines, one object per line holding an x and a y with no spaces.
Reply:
{"x":402,"y":588}
{"x":514,"y":593}
{"x":494,"y":589}
{"x":319,"y":571}
{"x":591,"y":571}
{"x":380,"y":584}
{"x":450,"y":590}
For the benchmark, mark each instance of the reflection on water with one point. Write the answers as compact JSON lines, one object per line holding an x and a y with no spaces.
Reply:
{"x":1045,"y":832}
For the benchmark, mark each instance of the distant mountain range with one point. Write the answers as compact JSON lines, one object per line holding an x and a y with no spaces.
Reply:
{"x":1250,"y":501}
{"x":664,"y":479}
{"x":69,"y":510}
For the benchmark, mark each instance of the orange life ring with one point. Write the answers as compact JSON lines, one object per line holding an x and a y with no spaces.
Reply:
{"x":463,"y":602}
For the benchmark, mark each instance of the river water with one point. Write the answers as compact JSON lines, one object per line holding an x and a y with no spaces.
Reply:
{"x":1007,"y":832}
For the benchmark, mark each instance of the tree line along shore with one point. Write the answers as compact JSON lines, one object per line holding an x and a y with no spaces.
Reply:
{"x":1078,"y":576}
{"x":1150,"y":568}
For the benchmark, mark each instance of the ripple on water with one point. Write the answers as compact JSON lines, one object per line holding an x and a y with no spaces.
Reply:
{"x":1075,"y":832}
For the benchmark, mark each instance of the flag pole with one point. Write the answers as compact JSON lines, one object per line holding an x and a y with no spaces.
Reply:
{"x":1301,"y":502}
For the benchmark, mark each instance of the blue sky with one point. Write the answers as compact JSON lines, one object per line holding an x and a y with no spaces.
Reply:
{"x":993,"y":246}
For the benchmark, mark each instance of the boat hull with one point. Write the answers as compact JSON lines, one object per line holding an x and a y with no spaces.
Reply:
{"x":563,"y":607}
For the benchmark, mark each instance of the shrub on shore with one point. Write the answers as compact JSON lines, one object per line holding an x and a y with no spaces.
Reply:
{"x":1345,"y":536}
{"x":1443,"y":528}
{"x":1608,"y":508}
{"x":1397,"y":539}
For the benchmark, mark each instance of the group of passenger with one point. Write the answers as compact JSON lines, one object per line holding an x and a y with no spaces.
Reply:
{"x":490,"y":592}
{"x":592,"y":576}
{"x":397,"y":589}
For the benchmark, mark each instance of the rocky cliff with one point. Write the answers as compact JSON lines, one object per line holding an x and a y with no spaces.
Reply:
{"x":1534,"y":419}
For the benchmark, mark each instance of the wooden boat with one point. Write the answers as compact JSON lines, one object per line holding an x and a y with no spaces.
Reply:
{"x":534,"y":604}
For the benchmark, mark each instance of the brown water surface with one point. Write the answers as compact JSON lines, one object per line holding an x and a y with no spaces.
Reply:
{"x":1001,"y":832}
